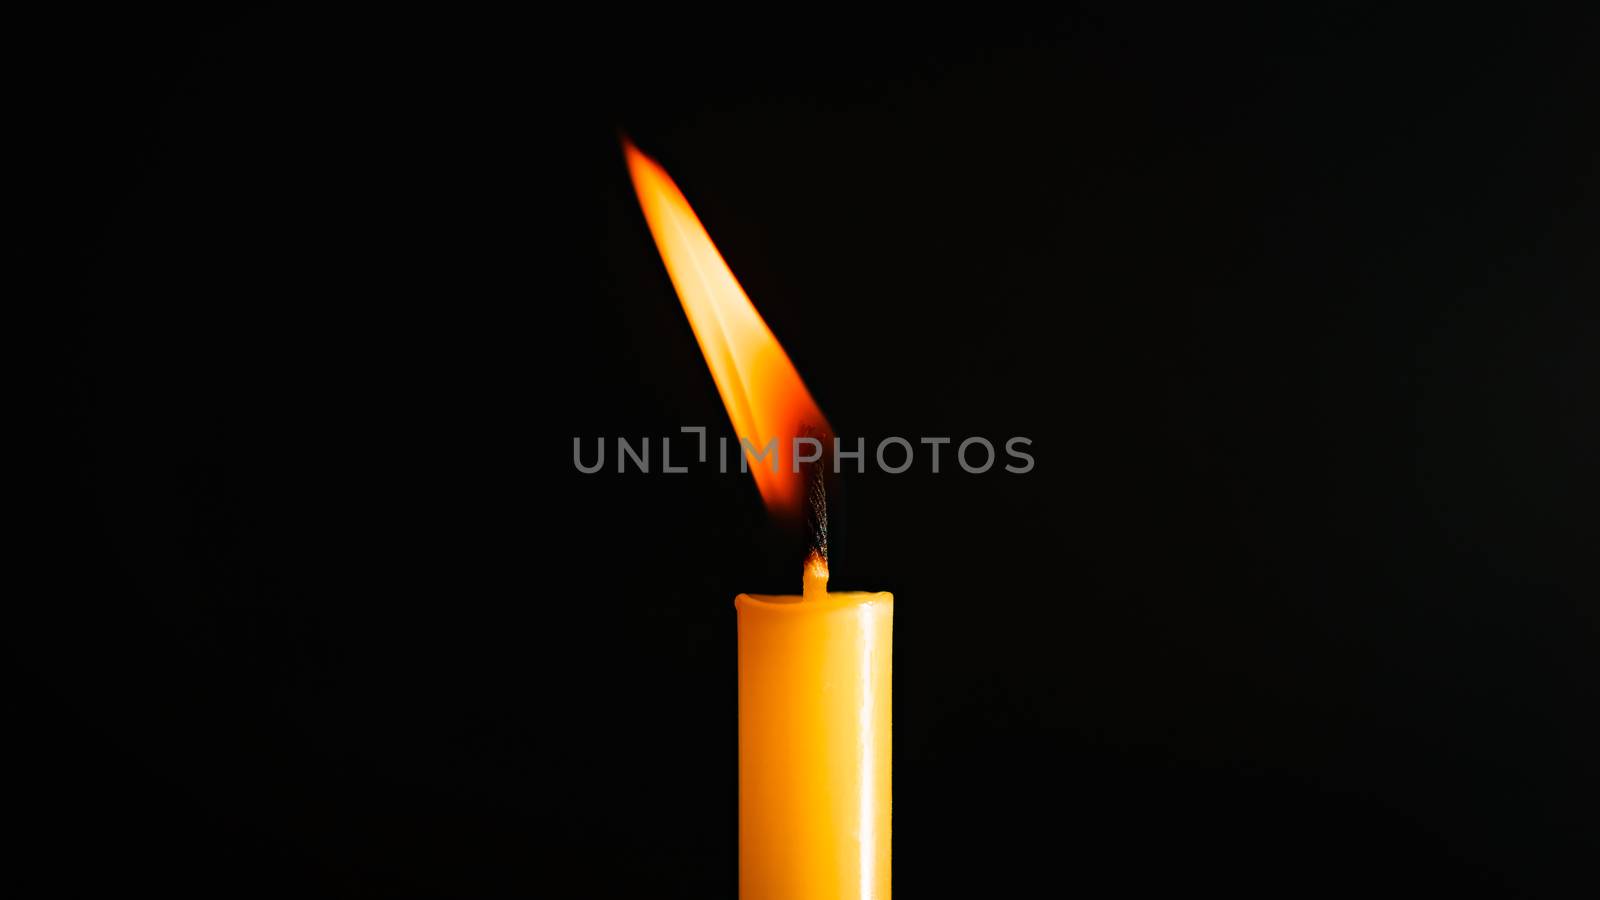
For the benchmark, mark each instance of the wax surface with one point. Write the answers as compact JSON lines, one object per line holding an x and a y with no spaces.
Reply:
{"x":814,"y":745}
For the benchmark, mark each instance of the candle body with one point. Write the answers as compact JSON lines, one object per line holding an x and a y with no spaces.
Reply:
{"x":814,"y":746}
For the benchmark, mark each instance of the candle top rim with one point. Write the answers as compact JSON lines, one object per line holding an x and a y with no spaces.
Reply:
{"x":799,"y":604}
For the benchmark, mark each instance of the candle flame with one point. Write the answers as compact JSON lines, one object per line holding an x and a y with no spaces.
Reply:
{"x":760,"y":387}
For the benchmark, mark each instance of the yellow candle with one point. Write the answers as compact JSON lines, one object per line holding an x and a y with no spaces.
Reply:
{"x":814,"y":743}
{"x":813,"y":669}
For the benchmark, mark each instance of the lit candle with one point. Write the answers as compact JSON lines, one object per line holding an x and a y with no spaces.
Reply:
{"x":814,"y":669}
{"x":814,"y":743}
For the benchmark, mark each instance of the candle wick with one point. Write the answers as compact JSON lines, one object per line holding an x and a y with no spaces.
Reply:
{"x":817,"y":515}
{"x":816,"y":566}
{"x":814,"y":583}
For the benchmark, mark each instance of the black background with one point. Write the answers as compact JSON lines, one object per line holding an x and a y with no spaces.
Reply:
{"x":1298,"y":311}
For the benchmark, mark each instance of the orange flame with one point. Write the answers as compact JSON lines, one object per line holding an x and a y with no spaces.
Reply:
{"x":763,"y":393}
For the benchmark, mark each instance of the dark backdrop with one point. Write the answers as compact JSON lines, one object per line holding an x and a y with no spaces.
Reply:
{"x":1298,"y":311}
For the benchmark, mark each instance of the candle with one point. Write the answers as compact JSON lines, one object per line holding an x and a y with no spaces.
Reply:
{"x":814,"y":669}
{"x":814,"y":743}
